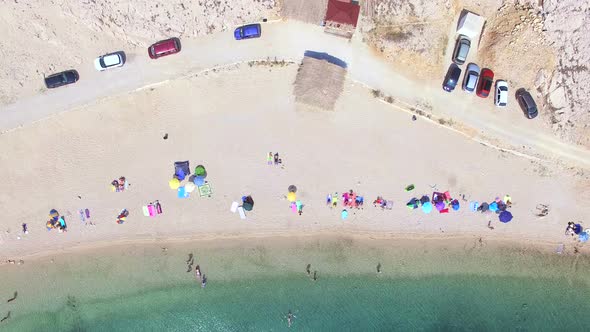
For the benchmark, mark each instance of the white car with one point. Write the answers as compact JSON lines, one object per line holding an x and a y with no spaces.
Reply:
{"x":109,"y":61}
{"x":471,"y":77}
{"x":501,"y":96}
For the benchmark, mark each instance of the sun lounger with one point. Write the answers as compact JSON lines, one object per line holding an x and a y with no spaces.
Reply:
{"x":241,"y":212}
{"x":234,"y":207}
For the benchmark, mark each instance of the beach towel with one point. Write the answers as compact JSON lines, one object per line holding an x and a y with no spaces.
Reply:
{"x":294,"y":207}
{"x":444,"y":210}
{"x":158,"y":207}
{"x":205,"y":190}
{"x":389,"y":205}
{"x":151,"y":210}
{"x":234,"y":207}
{"x":146,"y":212}
{"x":182,"y":193}
{"x":241,"y":212}
{"x":473,"y":206}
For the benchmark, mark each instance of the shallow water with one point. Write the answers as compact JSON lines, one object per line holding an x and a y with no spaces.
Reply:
{"x":251,"y":288}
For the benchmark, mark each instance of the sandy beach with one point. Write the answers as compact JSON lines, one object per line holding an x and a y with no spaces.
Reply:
{"x":228,"y":120}
{"x":371,"y":119}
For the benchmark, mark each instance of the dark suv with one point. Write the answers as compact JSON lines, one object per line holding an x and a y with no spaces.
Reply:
{"x":452,"y":78}
{"x":527,"y":103}
{"x":63,"y":78}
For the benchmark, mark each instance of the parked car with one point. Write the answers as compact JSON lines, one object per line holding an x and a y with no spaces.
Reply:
{"x":471,"y":77}
{"x":63,"y":78}
{"x":461,"y":50}
{"x":501,"y":97}
{"x":164,"y":47}
{"x":527,"y":103}
{"x":486,"y":81}
{"x":108,"y":61}
{"x":248,"y":31}
{"x":452,"y":78}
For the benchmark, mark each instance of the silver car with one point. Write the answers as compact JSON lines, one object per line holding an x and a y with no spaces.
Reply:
{"x":471,"y":78}
{"x":461,"y":50}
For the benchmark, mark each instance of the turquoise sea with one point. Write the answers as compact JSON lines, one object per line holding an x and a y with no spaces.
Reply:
{"x":422,"y":287}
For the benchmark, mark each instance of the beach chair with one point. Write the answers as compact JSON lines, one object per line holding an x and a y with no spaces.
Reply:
{"x":234,"y":207}
{"x":241,"y":212}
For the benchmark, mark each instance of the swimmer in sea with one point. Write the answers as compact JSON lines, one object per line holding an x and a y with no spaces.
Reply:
{"x":290,"y":317}
{"x":198,"y":271}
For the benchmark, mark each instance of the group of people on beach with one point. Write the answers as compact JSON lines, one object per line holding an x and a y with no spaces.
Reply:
{"x":349,"y":199}
{"x":200,"y":277}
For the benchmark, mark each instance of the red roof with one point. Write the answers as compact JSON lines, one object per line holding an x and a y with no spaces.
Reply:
{"x":342,"y":12}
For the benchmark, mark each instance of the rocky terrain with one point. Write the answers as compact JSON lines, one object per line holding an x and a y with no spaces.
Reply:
{"x":543,"y":46}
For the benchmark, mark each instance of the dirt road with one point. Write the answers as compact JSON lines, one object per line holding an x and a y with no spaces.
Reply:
{"x":289,"y":41}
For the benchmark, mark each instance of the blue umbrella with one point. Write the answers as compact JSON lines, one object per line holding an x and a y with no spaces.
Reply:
{"x":427,"y":207}
{"x":583,"y":237}
{"x":505,"y":216}
{"x":199,"y":180}
{"x":455,"y":205}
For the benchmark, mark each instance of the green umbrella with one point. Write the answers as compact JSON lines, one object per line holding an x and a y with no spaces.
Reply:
{"x":200,"y":171}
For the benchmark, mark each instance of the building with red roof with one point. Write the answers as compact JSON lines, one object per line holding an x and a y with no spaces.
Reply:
{"x":341,"y":17}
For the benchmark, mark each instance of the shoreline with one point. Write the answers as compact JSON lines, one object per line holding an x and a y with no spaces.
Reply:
{"x":546,"y":246}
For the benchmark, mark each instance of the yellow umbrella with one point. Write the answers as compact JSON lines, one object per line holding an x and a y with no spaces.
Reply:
{"x":291,"y":197}
{"x":174,"y":183}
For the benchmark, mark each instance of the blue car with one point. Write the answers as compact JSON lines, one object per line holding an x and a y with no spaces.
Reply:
{"x":248,"y":31}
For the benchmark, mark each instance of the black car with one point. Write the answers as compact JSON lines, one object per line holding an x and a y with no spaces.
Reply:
{"x":63,"y":78}
{"x":452,"y":78}
{"x":527,"y":103}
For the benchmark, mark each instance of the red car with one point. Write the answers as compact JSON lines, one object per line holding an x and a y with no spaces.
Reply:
{"x":164,"y":47}
{"x":485,"y":83}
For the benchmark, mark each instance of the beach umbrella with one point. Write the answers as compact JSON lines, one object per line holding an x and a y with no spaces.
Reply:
{"x":583,"y":236}
{"x":473,"y":206}
{"x":501,"y":206}
{"x":174,"y":183}
{"x":493,"y":206}
{"x":427,"y":207}
{"x":292,"y":189}
{"x":505,"y":216}
{"x":248,"y":203}
{"x":200,"y":171}
{"x":291,"y":197}
{"x":189,"y":187}
{"x":455,"y":205}
{"x":440,"y":206}
{"x":577,"y":228}
{"x":199,"y":180}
